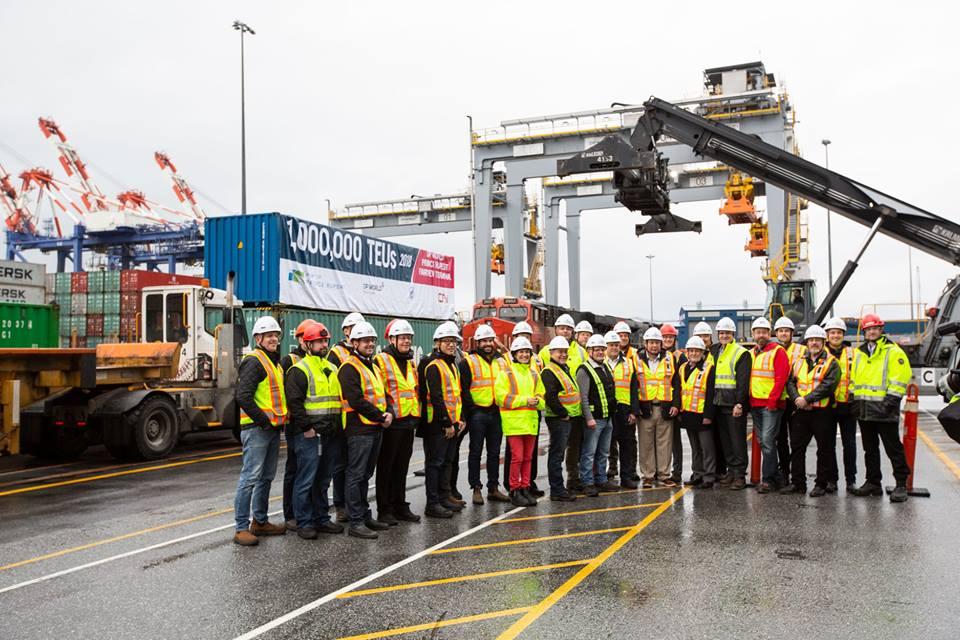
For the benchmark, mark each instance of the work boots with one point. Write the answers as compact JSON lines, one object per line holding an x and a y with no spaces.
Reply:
{"x":267,"y":529}
{"x":868,"y":489}
{"x":406,"y":515}
{"x":245,"y":538}
{"x":899,"y":494}
{"x":477,"y":496}
{"x":497,"y":496}
{"x":517,"y":499}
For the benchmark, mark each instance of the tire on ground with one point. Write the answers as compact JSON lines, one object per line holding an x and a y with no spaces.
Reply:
{"x":154,"y":428}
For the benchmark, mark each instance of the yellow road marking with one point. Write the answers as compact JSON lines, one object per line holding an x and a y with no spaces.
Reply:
{"x":580,"y":513}
{"x":508,"y":543}
{"x":473,"y":576}
{"x":539,"y":609}
{"x":937,"y":451}
{"x":613,"y":493}
{"x":439,"y":624}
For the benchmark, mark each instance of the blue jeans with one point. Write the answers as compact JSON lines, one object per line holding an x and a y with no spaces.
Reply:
{"x":332,"y":462}
{"x":559,"y":435}
{"x":594,"y":451}
{"x":307,"y":456}
{"x":484,"y":428}
{"x":362,"y":452}
{"x":767,"y":425}
{"x":261,"y":450}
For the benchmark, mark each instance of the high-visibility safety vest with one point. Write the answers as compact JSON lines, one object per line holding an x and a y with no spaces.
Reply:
{"x":809,"y":379}
{"x":515,"y":384}
{"x":401,"y":390}
{"x":323,"y":386}
{"x":795,"y":353}
{"x":450,"y":383}
{"x":693,"y":387}
{"x":885,"y":372}
{"x":269,"y":396}
{"x":847,"y":358}
{"x":622,"y":373}
{"x":601,"y":391}
{"x":762,"y":377}
{"x":373,"y":389}
{"x":341,"y":352}
{"x":294,"y":358}
{"x":576,"y":355}
{"x":658,"y":384}
{"x":569,"y":395}
{"x":725,"y":376}
{"x":483,"y":375}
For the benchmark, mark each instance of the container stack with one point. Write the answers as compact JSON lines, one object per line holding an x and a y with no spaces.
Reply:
{"x":25,"y":319}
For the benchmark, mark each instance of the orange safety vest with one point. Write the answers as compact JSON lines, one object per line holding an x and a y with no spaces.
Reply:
{"x":693,"y":388}
{"x":762,"y":374}
{"x":808,"y":380}
{"x":342,"y":352}
{"x":373,"y":390}
{"x":846,"y":360}
{"x":400,"y":390}
{"x":795,"y":353}
{"x":657,"y":385}
{"x":269,"y":396}
{"x":450,"y":381}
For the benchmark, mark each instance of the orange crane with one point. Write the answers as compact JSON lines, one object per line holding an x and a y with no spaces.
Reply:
{"x":181,"y":188}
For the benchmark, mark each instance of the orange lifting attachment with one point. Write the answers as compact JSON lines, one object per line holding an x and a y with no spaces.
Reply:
{"x":757,"y":243}
{"x":496,"y":259}
{"x":738,"y":206}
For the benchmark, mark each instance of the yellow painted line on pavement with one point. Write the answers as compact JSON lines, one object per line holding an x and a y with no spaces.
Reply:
{"x":473,"y":576}
{"x":937,"y":451}
{"x":508,"y":543}
{"x":639,"y":490}
{"x":544,"y":605}
{"x":566,"y":514}
{"x":430,"y":626}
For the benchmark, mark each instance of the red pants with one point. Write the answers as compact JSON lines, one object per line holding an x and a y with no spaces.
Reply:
{"x":521,"y":454}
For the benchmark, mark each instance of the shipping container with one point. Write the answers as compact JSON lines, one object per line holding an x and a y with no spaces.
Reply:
{"x":111,"y":281}
{"x":94,"y":303}
{"x":64,"y":323}
{"x":136,"y":279}
{"x":50,"y":282}
{"x":111,"y":326}
{"x":63,"y":281}
{"x":95,"y":282}
{"x":742,"y":317}
{"x":23,"y":274}
{"x":78,"y":325}
{"x":94,"y":324}
{"x":130,"y":302}
{"x":78,"y":304}
{"x":28,"y":326}
{"x":111,"y":302}
{"x":22,"y":294}
{"x":78,"y":282}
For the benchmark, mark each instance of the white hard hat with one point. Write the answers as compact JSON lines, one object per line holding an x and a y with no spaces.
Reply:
{"x":583,"y":327}
{"x":835,"y":323}
{"x":696,"y":342}
{"x":596,"y":340}
{"x":726,"y":324}
{"x":351,"y":319}
{"x":622,"y":327}
{"x":558,"y":342}
{"x":522,"y":327}
{"x":702,"y":329}
{"x":815,"y":331}
{"x":566,"y":320}
{"x":611,"y":337}
{"x":760,"y":323}
{"x":363,"y":329}
{"x":783,"y":322}
{"x":400,"y":328}
{"x":446,"y":330}
{"x":484,"y":332}
{"x":520,"y":343}
{"x":265,"y":324}
{"x":653,"y":334}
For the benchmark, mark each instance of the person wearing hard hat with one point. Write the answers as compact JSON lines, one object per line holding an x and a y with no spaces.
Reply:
{"x":564,"y":327}
{"x":519,"y":393}
{"x":563,"y":414}
{"x":657,"y":411}
{"x":313,"y":396}
{"x":441,"y":395}
{"x":523,"y":330}
{"x":704,"y":331}
{"x":693,"y":389}
{"x":846,"y":355}
{"x":366,"y":413}
{"x":879,"y":381}
{"x":731,"y":400}
{"x":399,"y":374}
{"x":631,"y":355}
{"x":478,"y":373}
{"x":263,"y":413}
{"x":627,"y":396}
{"x":669,"y":333}
{"x":341,"y":351}
{"x":784,"y":329}
{"x":768,"y":378}
{"x":290,"y":466}
{"x":582,"y":333}
{"x":597,"y":404}
{"x":810,"y":388}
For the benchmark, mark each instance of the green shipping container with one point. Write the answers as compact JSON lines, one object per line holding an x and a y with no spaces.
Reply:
{"x":111,"y":325}
{"x":62,"y":283}
{"x":94,"y":302}
{"x":29,"y":326}
{"x":111,"y":281}
{"x":78,"y":324}
{"x":111,"y":302}
{"x":64,"y":322}
{"x":95,"y":282}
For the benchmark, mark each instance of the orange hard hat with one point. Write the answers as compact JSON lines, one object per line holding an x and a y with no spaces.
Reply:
{"x":302,"y":327}
{"x":316,"y":331}
{"x":871,"y":320}
{"x":668,"y":329}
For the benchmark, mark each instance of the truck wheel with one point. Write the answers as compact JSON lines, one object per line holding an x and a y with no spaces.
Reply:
{"x":155,"y":429}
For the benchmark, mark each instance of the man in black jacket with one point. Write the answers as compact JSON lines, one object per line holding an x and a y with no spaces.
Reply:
{"x":290,"y":467}
{"x":693,"y":393}
{"x":731,"y":401}
{"x":563,"y":414}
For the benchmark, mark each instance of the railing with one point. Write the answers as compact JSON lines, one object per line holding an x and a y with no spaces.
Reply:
{"x":918,"y":322}
{"x":550,"y":128}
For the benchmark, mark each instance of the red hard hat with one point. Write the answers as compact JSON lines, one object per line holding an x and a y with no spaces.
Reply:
{"x":871,"y":320}
{"x":668,"y":329}
{"x":386,"y":331}
{"x":316,"y":331}
{"x":302,"y":327}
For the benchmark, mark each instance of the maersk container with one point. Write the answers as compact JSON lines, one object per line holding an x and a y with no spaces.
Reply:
{"x":28,"y":326}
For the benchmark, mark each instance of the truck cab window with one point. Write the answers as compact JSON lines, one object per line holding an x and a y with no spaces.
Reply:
{"x":176,"y":317}
{"x":153,"y":314}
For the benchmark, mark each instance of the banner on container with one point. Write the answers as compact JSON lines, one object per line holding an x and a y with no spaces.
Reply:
{"x":328,"y":268}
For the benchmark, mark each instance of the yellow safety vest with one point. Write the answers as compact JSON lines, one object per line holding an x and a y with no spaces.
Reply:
{"x":693,"y":388}
{"x":323,"y":386}
{"x":848,"y":356}
{"x":809,"y":379}
{"x":515,"y":383}
{"x":401,"y":390}
{"x":880,"y":374}
{"x":725,"y":378}
{"x":450,"y":381}
{"x":762,"y":374}
{"x":658,"y":384}
{"x":569,"y":395}
{"x":795,"y":353}
{"x":601,"y":391}
{"x":622,"y":373}
{"x":483,"y":375}
{"x":294,"y":358}
{"x":270,"y":396}
{"x":341,"y":352}
{"x":576,"y":355}
{"x":373,"y":389}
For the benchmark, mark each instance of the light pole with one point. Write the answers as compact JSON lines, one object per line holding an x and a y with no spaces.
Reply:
{"x":826,"y":156}
{"x":243,"y":28}
{"x":650,"y":258}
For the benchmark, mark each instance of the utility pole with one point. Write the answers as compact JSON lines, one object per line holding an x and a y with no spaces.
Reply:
{"x":243,"y":28}
{"x":650,"y":258}
{"x":910,"y":271}
{"x":826,"y":156}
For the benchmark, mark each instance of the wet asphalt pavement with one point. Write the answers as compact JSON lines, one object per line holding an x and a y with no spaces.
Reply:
{"x":145,"y":551}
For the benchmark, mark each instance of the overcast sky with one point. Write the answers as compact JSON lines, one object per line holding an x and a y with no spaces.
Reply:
{"x":367,"y":100}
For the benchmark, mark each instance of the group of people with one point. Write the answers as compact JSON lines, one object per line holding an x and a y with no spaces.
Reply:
{"x":613,"y":411}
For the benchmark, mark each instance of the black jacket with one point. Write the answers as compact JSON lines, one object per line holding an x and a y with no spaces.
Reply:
{"x":590,"y":395}
{"x":740,"y":395}
{"x":553,"y":388}
{"x":287,"y":361}
{"x":689,"y":419}
{"x":466,"y":379}
{"x":824,"y":390}
{"x":634,"y":392}
{"x":295,"y":385}
{"x":431,"y":394}
{"x":249,"y":377}
{"x":351,"y":388}
{"x":403,"y":360}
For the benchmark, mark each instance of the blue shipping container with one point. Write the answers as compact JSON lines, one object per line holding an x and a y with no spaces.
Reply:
{"x":249,"y":247}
